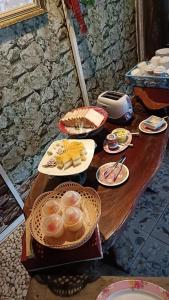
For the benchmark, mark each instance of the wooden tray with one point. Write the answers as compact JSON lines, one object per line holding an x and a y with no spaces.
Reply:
{"x":91,"y":207}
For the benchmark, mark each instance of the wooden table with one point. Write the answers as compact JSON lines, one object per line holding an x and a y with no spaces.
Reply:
{"x":143,"y":161}
{"x":39,"y":291}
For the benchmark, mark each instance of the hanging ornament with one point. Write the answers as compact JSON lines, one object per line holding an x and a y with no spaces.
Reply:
{"x":74,"y":5}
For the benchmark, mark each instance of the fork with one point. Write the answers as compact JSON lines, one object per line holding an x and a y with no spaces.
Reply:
{"x":115,"y":177}
{"x":111,"y":169}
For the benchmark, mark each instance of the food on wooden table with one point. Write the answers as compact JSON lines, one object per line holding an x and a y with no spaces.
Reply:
{"x":83,"y":117}
{"x":121,"y":134}
{"x":73,"y":218}
{"x":52,"y":226}
{"x":51,"y":207}
{"x":71,"y":198}
{"x":154,"y":122}
{"x":66,"y":154}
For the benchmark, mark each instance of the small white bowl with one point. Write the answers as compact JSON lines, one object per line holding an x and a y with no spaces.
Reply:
{"x":155,"y":60}
{"x":141,"y":66}
{"x":164,"y":61}
{"x":162,"y":52}
{"x":150,"y":69}
{"x":136,"y":72}
{"x":159,"y":71}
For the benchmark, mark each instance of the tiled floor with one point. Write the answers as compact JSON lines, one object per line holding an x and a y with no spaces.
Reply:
{"x":143,"y":247}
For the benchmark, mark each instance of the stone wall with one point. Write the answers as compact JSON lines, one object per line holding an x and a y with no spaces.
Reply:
{"x":38,"y":79}
{"x":109,"y":49}
{"x":38,"y":83}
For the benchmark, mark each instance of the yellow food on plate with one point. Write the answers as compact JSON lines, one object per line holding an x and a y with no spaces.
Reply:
{"x":121,"y":134}
{"x":73,"y":153}
{"x":64,"y":160}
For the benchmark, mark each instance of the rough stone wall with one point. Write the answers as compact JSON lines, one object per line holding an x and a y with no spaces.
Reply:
{"x":38,"y":79}
{"x":38,"y":83}
{"x":108,"y":51}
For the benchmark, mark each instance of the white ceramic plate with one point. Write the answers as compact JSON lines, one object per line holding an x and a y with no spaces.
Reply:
{"x":89,"y":145}
{"x":145,"y":129}
{"x":109,"y":181}
{"x":133,"y":290}
{"x":121,"y":147}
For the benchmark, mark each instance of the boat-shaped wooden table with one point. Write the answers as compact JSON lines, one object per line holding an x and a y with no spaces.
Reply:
{"x":142,"y":160}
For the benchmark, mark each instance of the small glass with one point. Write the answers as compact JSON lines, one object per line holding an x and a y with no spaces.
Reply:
{"x":112,"y":141}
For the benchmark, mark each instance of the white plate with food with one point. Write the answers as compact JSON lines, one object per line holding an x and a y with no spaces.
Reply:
{"x":116,"y":177}
{"x":143,"y":127}
{"x":67,"y":157}
{"x":133,"y":289}
{"x":124,"y":139}
{"x":83,"y":120}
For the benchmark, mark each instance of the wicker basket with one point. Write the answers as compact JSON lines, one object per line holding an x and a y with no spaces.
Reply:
{"x":91,"y":207}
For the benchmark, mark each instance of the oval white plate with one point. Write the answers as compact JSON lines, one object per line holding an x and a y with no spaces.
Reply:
{"x":124,"y":174}
{"x":144,"y":129}
{"x":135,"y":289}
{"x":89,"y":145}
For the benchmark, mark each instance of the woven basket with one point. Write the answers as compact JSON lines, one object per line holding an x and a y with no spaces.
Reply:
{"x":91,"y":207}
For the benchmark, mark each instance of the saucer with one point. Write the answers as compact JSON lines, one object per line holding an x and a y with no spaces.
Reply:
{"x":109,"y":181}
{"x":121,"y":147}
{"x":145,"y":129}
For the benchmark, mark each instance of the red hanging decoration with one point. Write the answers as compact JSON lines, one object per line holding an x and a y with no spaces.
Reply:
{"x":74,"y":5}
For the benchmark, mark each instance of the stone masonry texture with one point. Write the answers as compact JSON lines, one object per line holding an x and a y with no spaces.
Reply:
{"x":38,"y":83}
{"x":38,"y":78}
{"x":109,"y":49}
